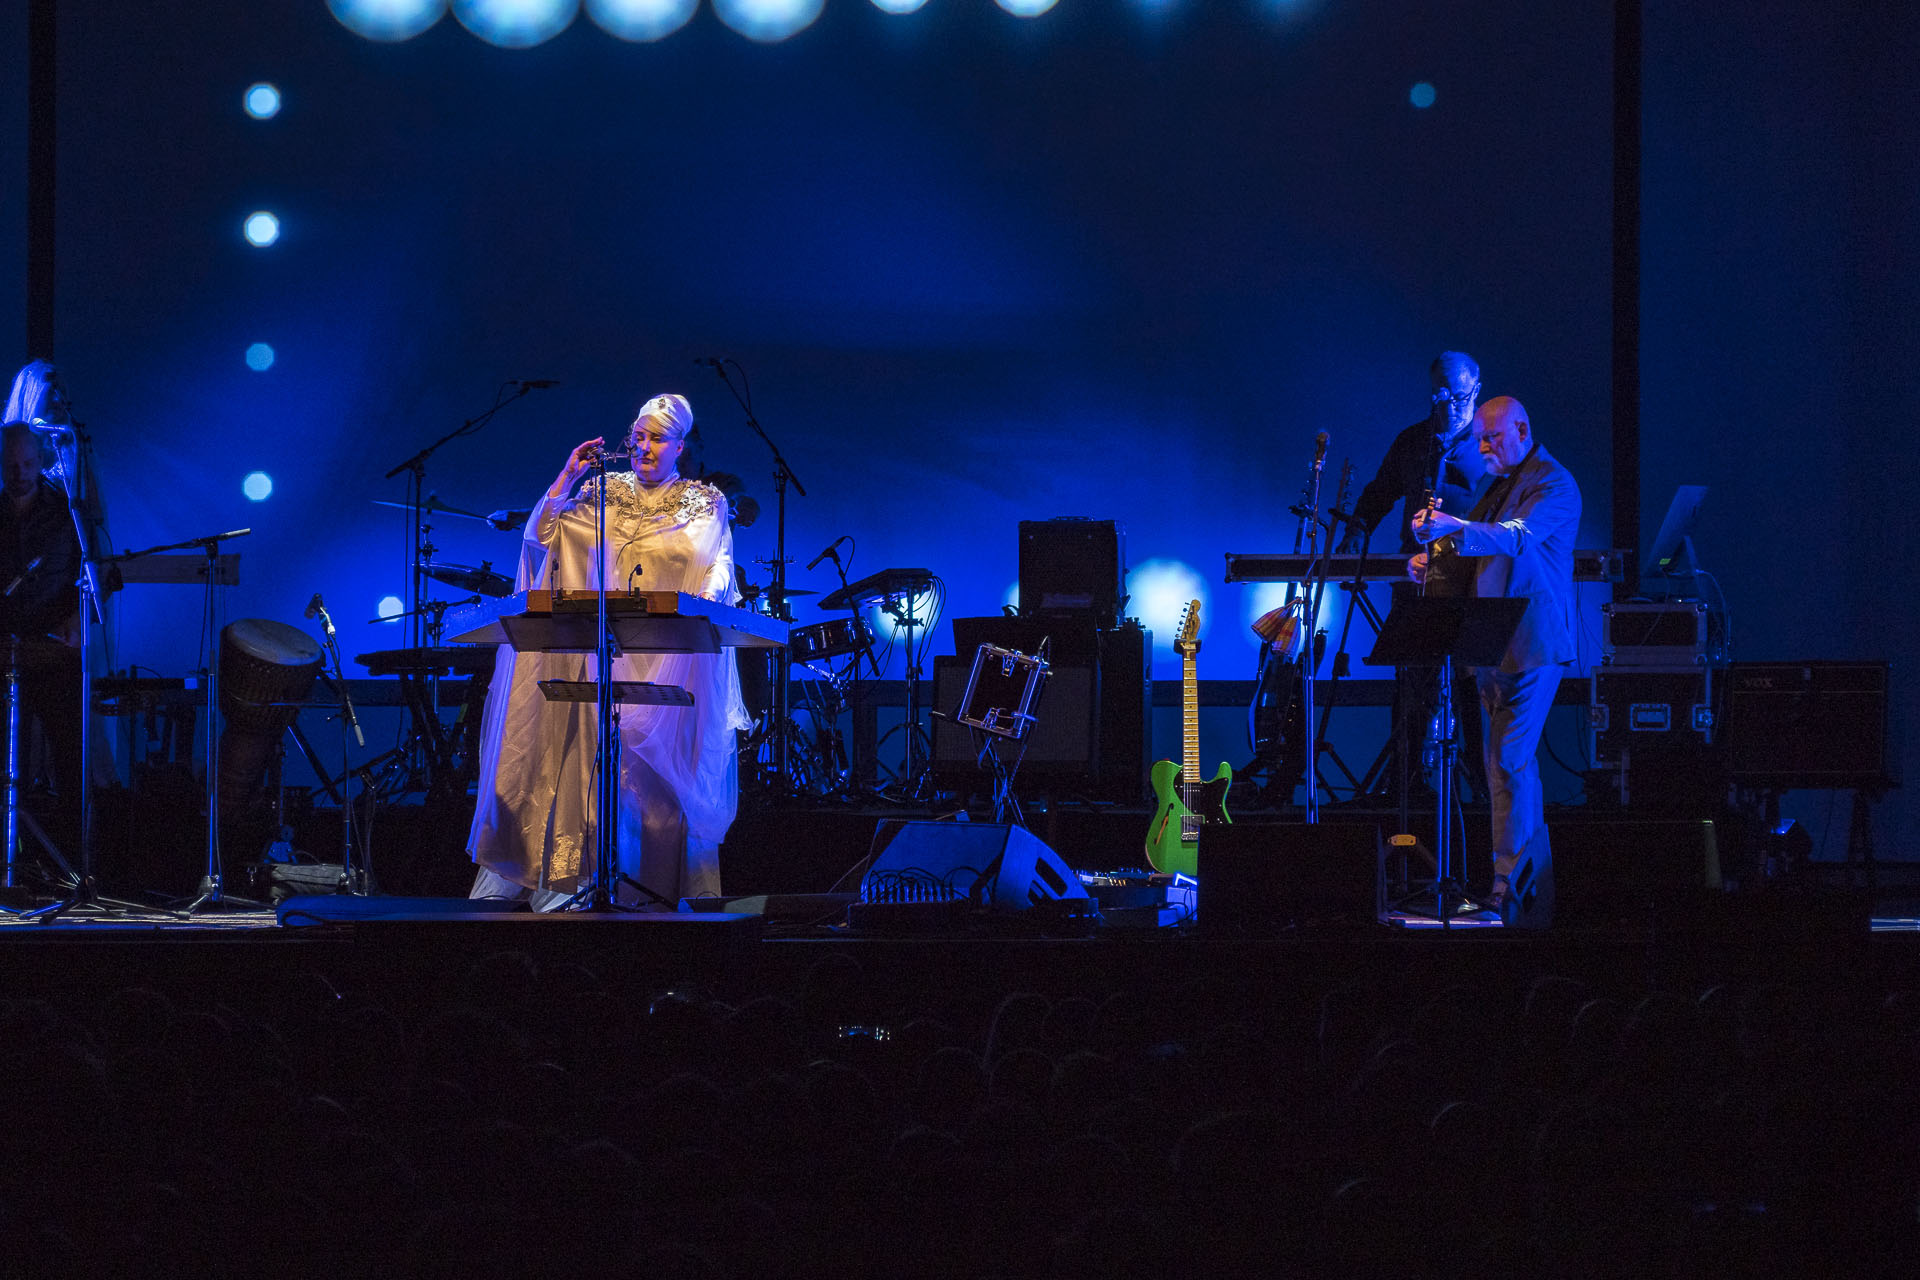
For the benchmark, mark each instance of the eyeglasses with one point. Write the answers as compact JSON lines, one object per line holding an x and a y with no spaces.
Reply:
{"x":1456,"y":397}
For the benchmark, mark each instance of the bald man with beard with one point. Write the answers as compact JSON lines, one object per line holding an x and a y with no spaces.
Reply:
{"x":1517,"y":542}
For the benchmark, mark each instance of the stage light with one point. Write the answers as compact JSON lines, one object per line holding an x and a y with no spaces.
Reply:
{"x":261,"y":229}
{"x":262,"y":101}
{"x":1161,"y":590}
{"x":641,"y":19}
{"x":390,"y":607}
{"x":1026,"y":8}
{"x":899,"y":6}
{"x":1421,"y":95}
{"x":1011,"y":600}
{"x":260,"y":357}
{"x":767,"y":20}
{"x":258,"y":486}
{"x":387,"y":19}
{"x":516,"y":24}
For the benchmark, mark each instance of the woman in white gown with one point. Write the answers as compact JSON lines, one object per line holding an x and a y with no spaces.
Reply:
{"x":533,"y":828}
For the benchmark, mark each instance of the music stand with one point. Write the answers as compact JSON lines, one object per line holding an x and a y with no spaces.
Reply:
{"x":1439,"y":631}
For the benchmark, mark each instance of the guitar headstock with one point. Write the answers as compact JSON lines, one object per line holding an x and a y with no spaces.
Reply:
{"x":1187,"y":642}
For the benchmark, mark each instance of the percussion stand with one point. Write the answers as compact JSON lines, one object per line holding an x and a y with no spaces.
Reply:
{"x":212,"y":890}
{"x":351,"y":880}
{"x":777,"y":590}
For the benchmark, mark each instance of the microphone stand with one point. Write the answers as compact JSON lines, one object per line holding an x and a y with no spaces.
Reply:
{"x":85,"y":894}
{"x":777,"y":589}
{"x":416,"y":467}
{"x":350,"y":881}
{"x":1317,"y":548}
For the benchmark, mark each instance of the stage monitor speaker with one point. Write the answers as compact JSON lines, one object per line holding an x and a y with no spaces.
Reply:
{"x":1633,"y":870}
{"x":998,"y":864}
{"x":1264,"y":879}
{"x":1807,"y":724}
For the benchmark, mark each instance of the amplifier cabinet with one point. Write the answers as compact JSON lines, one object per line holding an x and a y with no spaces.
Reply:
{"x":1654,"y":633}
{"x":1640,"y":708}
{"x":1092,"y":727}
{"x":1808,"y":724}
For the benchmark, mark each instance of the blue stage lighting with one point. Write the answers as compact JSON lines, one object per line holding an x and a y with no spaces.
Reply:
{"x":641,"y":19}
{"x":260,"y":357}
{"x":387,"y":19}
{"x":1421,"y":95}
{"x":261,"y":229}
{"x":390,"y":607}
{"x":886,"y":626}
{"x":1028,"y":9}
{"x":767,"y":20}
{"x":1160,"y":591}
{"x":258,"y":486}
{"x":516,"y":24}
{"x":899,"y":6}
{"x":262,"y":101}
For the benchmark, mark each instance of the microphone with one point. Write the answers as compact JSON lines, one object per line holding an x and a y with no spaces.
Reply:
{"x":530,"y":384}
{"x":24,"y":575}
{"x":833,"y":549}
{"x":315,"y":605}
{"x":1319,"y":450}
{"x":711,"y":363}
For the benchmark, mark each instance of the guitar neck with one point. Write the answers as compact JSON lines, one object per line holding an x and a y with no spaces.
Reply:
{"x":1190,"y":720}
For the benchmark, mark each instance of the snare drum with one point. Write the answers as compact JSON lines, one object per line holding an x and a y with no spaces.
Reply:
{"x":834,"y":638}
{"x":266,"y":669}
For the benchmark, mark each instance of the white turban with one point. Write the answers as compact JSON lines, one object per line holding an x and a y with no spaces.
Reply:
{"x":673,"y":413}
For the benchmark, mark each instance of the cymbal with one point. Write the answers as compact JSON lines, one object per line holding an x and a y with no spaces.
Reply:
{"x":468,"y":578}
{"x":435,"y":505}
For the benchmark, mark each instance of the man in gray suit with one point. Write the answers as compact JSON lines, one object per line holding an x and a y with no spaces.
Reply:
{"x":1517,"y":542}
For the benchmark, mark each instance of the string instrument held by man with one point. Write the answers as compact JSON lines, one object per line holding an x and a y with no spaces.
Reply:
{"x":1182,"y":802}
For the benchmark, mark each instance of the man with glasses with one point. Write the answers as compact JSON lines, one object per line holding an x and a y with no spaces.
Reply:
{"x":1436,"y":457}
{"x":1436,"y":454}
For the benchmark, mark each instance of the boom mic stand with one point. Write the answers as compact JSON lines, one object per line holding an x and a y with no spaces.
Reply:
{"x":777,"y":590}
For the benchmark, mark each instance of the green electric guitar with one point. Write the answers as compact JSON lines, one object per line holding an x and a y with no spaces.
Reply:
{"x":1183,"y":803}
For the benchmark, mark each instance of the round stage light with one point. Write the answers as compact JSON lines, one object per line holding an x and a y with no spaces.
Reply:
{"x":389,"y":607}
{"x":260,"y":357}
{"x":258,"y":486}
{"x":925,"y":612}
{"x":262,"y":101}
{"x":261,"y":229}
{"x":516,"y":24}
{"x":641,"y":19}
{"x":1421,"y":95}
{"x":1161,"y":590}
{"x":899,"y":6}
{"x":767,"y":20}
{"x":1026,"y":8}
{"x":387,"y":19}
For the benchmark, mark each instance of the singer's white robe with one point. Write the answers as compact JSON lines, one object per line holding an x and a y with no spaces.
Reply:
{"x":534,"y":823}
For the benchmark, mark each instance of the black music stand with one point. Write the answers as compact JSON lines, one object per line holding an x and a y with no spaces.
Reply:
{"x":1440,"y":631}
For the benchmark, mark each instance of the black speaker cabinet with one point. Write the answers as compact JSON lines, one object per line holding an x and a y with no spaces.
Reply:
{"x":1610,"y":871}
{"x":1092,"y":732}
{"x":1073,"y":565}
{"x":1263,"y":879}
{"x":1807,"y":724}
